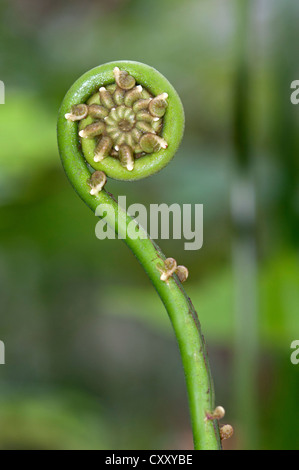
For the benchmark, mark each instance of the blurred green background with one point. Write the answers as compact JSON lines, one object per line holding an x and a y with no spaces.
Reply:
{"x":91,"y":359}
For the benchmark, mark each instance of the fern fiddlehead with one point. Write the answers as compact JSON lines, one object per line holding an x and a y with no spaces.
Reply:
{"x":124,"y":120}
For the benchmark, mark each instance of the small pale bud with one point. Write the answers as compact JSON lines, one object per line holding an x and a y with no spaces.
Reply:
{"x":103,"y":148}
{"x":114,"y":114}
{"x":170,"y":265}
{"x":123,"y":79}
{"x":121,"y":112}
{"x":129,"y":140}
{"x":109,"y":121}
{"x":136,"y":134}
{"x":97,"y":112}
{"x":121,"y":139}
{"x":146,"y":117}
{"x":97,"y":181}
{"x":152,"y":143}
{"x":144,"y":127}
{"x":126,"y":157}
{"x":78,"y":112}
{"x":158,"y":105}
{"x":111,"y":88}
{"x":119,"y":96}
{"x":92,"y":130}
{"x":157,"y":125}
{"x":226,"y":432}
{"x":140,"y":105}
{"x":182,"y":273}
{"x":218,"y":413}
{"x":133,"y":95}
{"x":106,"y":98}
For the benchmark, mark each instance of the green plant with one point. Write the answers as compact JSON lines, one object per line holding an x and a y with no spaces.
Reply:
{"x":129,"y":132}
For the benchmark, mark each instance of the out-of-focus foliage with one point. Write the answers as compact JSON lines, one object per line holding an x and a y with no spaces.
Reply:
{"x":80,"y":315}
{"x":57,"y":421}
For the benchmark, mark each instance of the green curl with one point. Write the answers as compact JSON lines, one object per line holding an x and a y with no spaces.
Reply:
{"x":178,"y":305}
{"x":173,"y":125}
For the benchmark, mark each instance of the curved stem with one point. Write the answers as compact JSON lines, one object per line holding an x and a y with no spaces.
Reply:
{"x":178,"y":305}
{"x":186,"y":326}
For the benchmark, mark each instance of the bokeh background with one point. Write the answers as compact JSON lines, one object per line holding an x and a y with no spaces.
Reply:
{"x":91,"y":359}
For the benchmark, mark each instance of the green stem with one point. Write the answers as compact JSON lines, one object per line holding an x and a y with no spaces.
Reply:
{"x":179,"y":307}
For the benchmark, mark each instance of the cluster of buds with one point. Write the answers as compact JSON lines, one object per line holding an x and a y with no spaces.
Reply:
{"x":125,"y":120}
{"x":226,"y":431}
{"x":169,"y":268}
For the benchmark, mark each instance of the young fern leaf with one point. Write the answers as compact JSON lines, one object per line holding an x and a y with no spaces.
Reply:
{"x":125,"y":120}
